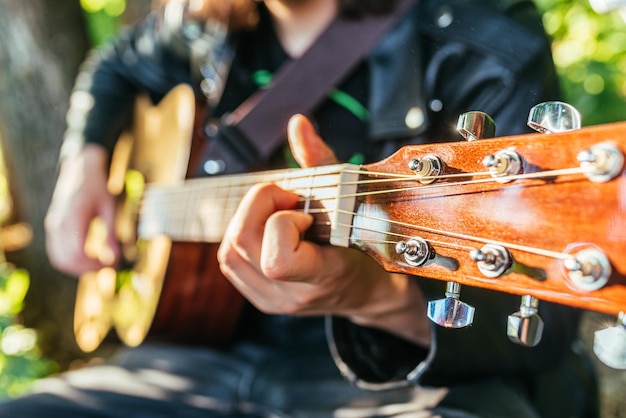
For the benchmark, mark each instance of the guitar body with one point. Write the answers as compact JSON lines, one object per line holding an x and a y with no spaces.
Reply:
{"x":198,"y":305}
{"x":164,"y":290}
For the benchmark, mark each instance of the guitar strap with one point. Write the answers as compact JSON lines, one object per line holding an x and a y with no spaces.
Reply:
{"x":251,"y":133}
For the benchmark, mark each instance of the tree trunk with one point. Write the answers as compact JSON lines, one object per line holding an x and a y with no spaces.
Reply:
{"x":42,"y":43}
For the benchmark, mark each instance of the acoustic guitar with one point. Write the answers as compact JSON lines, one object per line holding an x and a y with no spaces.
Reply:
{"x":540,"y":216}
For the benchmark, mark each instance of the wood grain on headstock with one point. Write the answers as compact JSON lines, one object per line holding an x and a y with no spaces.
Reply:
{"x":553,"y":214}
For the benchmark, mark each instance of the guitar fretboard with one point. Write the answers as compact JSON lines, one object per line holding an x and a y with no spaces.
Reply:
{"x":199,"y":210}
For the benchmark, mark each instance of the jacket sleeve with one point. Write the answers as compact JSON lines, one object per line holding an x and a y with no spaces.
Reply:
{"x":142,"y":59}
{"x":486,"y":56}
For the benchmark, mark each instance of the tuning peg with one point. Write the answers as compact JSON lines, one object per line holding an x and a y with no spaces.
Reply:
{"x":476,"y":125}
{"x":492,"y":260}
{"x":426,"y":168}
{"x":610,"y":344}
{"x":451,"y":312}
{"x":589,"y":269}
{"x":417,"y":251}
{"x":553,"y":117}
{"x":503,"y":164}
{"x":525,"y":327}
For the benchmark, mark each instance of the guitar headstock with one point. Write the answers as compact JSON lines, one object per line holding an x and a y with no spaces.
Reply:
{"x":540,"y":216}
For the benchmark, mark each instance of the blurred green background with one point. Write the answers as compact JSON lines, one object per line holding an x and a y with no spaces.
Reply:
{"x":590,"y":55}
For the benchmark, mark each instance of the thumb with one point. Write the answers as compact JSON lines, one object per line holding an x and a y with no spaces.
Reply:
{"x":307,"y":147}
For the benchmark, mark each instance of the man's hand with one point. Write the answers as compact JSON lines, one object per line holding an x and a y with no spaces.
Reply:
{"x":80,"y":196}
{"x":265,"y":257}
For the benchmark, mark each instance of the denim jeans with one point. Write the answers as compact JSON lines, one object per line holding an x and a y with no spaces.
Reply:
{"x":248,"y":381}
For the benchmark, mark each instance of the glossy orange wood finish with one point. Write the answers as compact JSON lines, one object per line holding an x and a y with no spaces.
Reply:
{"x":553,"y":214}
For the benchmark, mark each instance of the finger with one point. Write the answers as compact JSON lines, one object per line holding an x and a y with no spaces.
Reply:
{"x":68,"y":257}
{"x":64,"y":245}
{"x":110,"y":252}
{"x":243,"y":276}
{"x":246,"y":228}
{"x":283,"y":248}
{"x":267,"y":295}
{"x":307,"y":147}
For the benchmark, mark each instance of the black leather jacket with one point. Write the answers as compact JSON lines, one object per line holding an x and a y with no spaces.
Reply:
{"x":444,"y":58}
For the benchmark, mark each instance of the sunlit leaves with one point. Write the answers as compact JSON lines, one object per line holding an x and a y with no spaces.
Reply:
{"x":590,"y":54}
{"x":103,"y":18}
{"x":20,"y":360}
{"x":13,"y":286}
{"x":112,"y":8}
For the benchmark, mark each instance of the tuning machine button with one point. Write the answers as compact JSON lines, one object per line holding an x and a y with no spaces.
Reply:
{"x":553,"y":117}
{"x":525,"y":327}
{"x":492,"y":260}
{"x":476,"y":125}
{"x":426,"y":168}
{"x":609,"y":344}
{"x":451,"y":312}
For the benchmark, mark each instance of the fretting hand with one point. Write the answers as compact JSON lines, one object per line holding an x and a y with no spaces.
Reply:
{"x":265,"y":257}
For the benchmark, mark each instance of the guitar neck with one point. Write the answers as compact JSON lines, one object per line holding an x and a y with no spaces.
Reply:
{"x":555,"y":229}
{"x":198,"y":210}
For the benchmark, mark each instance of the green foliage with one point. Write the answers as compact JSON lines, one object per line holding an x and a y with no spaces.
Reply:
{"x":103,"y":18}
{"x":20,"y":359}
{"x":590,"y":55}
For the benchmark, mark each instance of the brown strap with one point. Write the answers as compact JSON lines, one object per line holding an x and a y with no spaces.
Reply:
{"x":257,"y":127}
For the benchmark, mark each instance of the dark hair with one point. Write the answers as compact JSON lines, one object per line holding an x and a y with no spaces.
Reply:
{"x":243,"y":14}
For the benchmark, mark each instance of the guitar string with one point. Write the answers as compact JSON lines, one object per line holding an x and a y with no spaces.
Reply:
{"x":185,"y":189}
{"x":396,"y":234}
{"x":407,"y":177}
{"x":389,"y":177}
{"x":524,"y":248}
{"x":500,"y":180}
{"x":165,"y":200}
